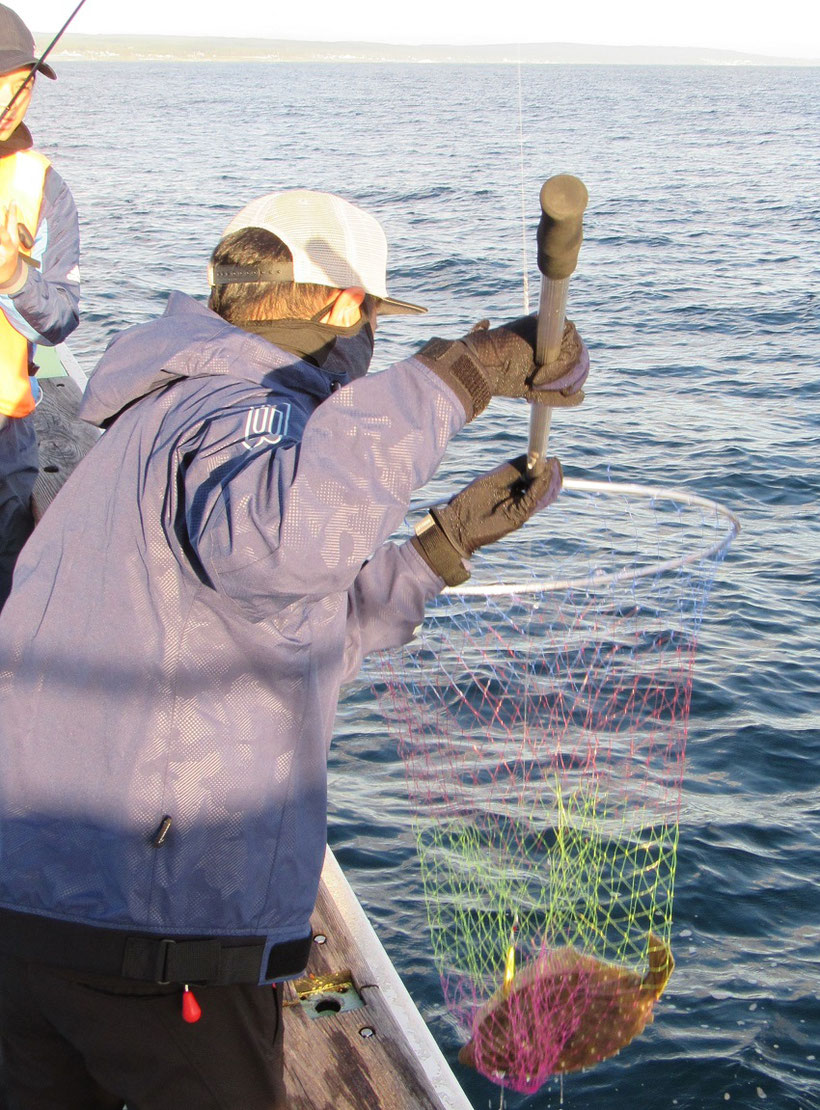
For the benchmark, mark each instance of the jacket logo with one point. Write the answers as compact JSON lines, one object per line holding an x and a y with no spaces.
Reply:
{"x":266,"y":424}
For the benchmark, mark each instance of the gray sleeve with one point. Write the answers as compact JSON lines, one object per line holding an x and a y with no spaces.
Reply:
{"x":386,"y":602}
{"x":47,"y":308}
{"x":302,"y":522}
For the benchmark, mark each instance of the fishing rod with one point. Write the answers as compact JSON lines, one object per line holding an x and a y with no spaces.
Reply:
{"x":560,"y":231}
{"x":38,"y":63}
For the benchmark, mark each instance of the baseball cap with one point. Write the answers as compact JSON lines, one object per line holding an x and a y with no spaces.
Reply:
{"x":17,"y":45}
{"x":332,"y":242}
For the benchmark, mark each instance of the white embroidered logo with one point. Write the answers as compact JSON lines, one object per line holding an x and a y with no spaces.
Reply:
{"x":266,"y":424}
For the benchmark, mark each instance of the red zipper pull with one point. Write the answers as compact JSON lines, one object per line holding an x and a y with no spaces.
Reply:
{"x":191,"y":1010}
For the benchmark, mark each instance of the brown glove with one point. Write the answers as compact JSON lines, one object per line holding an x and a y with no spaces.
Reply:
{"x":490,"y":507}
{"x":500,"y":362}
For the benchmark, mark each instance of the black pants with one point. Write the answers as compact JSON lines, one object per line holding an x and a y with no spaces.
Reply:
{"x":18,"y":473}
{"x":82,"y":1042}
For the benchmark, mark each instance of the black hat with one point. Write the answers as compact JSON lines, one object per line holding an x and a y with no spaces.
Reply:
{"x":17,"y":45}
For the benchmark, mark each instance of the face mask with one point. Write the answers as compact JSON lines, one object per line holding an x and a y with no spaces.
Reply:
{"x":352,"y":352}
{"x":343,"y":352}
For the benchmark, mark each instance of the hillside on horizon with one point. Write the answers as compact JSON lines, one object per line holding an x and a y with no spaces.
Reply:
{"x":146,"y":48}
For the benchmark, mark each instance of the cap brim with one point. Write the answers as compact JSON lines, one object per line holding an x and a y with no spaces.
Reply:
{"x":389,"y":306}
{"x":10,"y":60}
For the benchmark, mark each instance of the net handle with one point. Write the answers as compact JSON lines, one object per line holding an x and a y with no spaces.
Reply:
{"x":560,"y":232}
{"x":594,"y":581}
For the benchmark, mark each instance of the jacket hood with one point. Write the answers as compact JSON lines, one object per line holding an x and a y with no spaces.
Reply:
{"x":188,"y":341}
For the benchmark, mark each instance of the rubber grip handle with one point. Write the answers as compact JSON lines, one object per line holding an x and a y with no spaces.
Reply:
{"x":561,"y":228}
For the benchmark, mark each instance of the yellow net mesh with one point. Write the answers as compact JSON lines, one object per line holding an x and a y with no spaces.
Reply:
{"x":543,"y":722}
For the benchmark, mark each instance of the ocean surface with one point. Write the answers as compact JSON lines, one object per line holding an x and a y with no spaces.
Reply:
{"x":697,"y":293}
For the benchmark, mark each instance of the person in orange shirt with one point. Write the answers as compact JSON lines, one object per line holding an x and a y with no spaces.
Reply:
{"x":39,"y":281}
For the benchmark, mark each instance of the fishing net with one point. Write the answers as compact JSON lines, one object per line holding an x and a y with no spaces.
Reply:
{"x":541,"y":713}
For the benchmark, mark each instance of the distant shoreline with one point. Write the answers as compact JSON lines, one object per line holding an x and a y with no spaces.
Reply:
{"x":166,"y":48}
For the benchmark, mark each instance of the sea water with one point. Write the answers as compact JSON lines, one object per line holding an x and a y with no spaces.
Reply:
{"x":697,"y":293}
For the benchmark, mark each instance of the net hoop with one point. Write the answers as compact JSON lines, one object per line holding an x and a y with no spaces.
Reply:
{"x":542,"y":714}
{"x":593,"y":582}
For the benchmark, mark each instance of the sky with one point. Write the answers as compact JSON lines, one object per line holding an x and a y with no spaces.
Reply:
{"x":787,"y":28}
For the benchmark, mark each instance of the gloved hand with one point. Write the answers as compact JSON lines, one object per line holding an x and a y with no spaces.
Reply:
{"x":490,"y":507}
{"x":500,"y":362}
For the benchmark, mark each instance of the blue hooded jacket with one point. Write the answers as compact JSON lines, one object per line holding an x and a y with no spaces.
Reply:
{"x":183,"y":618}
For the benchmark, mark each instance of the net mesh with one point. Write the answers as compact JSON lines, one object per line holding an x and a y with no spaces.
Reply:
{"x":541,"y":714}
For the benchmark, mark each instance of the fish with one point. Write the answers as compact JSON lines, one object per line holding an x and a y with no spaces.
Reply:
{"x":564,"y":1012}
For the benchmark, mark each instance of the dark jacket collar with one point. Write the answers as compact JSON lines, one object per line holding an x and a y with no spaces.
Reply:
{"x":19,"y":139}
{"x":190,"y":341}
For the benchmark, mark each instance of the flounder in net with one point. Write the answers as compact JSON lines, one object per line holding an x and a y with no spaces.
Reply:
{"x":562,"y":1013}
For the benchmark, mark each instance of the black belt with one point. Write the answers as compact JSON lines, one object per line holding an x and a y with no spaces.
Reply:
{"x":213,"y":961}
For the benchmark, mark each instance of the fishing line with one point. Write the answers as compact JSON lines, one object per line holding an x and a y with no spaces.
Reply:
{"x":525,"y":291}
{"x":39,"y":62}
{"x":524,"y":259}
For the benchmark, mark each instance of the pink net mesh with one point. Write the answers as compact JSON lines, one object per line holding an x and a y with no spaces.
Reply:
{"x":542,"y":715}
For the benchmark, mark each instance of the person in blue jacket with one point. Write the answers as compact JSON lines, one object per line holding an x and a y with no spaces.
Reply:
{"x":180,"y":626}
{"x":39,"y":282}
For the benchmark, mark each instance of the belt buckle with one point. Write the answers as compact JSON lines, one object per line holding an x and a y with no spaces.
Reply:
{"x":163,"y":956}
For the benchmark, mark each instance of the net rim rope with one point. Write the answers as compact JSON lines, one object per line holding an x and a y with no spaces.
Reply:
{"x":594,"y":581}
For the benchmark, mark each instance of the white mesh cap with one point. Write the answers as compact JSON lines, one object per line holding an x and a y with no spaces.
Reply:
{"x":332,"y":242}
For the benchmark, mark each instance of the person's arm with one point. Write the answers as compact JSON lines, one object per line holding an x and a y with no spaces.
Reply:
{"x":386,"y":602}
{"x":300,"y":521}
{"x":46,"y":308}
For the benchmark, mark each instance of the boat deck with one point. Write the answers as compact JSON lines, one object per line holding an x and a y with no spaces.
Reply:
{"x":352,"y":1018}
